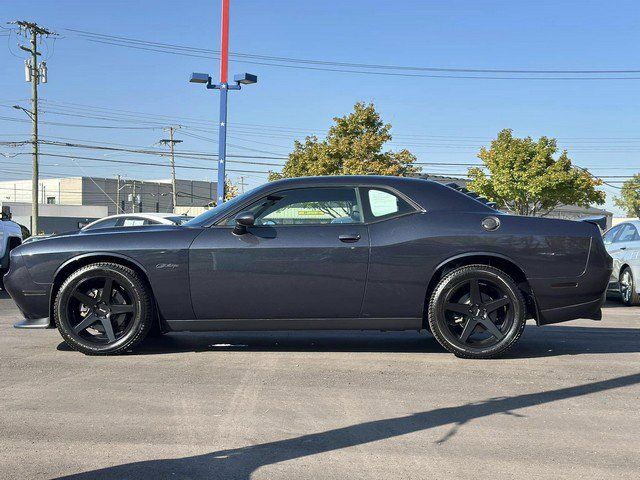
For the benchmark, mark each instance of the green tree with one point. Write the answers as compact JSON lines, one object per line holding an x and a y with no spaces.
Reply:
{"x":353,"y":146}
{"x":524,"y":177}
{"x":629,"y":198}
{"x":230,"y":190}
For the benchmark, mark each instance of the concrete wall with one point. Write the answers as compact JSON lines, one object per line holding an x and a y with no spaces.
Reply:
{"x":56,"y":218}
{"x":155,"y":196}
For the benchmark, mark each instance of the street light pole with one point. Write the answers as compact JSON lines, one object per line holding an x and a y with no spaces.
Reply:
{"x":224,"y":87}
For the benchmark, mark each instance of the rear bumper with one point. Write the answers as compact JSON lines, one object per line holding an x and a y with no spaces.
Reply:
{"x":570,"y":298}
{"x":590,"y":310}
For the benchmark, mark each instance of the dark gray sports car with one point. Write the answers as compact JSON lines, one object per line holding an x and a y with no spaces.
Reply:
{"x":357,"y":252}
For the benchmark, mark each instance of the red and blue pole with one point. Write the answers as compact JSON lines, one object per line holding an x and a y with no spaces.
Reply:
{"x":224,"y":85}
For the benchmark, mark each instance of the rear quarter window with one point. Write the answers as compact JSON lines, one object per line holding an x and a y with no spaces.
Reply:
{"x":381,"y":204}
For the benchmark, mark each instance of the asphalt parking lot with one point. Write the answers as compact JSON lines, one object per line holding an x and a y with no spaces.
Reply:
{"x":564,"y":404}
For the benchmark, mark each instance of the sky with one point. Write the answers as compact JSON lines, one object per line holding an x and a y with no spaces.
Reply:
{"x":137,"y":91}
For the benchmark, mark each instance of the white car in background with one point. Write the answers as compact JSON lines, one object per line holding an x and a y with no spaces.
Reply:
{"x":623,"y":244}
{"x":11,"y":235}
{"x":137,"y":220}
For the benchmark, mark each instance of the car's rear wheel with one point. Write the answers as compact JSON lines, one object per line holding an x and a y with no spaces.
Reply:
{"x":103,"y":308}
{"x":628,"y":288}
{"x":477,"y":311}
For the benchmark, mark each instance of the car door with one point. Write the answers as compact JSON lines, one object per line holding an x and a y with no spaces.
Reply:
{"x":305,"y":258}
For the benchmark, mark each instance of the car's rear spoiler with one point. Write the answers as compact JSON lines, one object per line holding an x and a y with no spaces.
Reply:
{"x":601,"y":222}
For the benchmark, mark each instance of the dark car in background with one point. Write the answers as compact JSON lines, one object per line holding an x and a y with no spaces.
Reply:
{"x":355,"y":252}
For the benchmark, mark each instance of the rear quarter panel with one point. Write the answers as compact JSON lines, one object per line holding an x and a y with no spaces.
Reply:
{"x":406,"y":251}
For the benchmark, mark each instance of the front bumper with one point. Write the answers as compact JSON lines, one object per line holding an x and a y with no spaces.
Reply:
{"x":33,"y":323}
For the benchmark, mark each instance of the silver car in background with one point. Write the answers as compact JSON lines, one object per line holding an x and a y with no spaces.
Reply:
{"x":623,"y":244}
{"x":137,"y":220}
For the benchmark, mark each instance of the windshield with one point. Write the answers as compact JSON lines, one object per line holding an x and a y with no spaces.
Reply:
{"x":219,"y":210}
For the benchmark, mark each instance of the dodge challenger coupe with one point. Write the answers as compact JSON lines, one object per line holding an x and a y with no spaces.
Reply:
{"x":354,"y":252}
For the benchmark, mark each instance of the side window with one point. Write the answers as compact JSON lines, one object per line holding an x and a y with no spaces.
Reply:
{"x":611,"y":234}
{"x":108,"y":223}
{"x":308,"y":206}
{"x":382,"y":204}
{"x":133,"y":222}
{"x":628,"y":234}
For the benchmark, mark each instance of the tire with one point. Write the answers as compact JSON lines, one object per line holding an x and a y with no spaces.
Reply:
{"x":628,"y":293}
{"x":95,"y":322}
{"x":477,"y":311}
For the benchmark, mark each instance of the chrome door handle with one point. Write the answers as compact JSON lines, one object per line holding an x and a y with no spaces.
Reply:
{"x":349,"y":238}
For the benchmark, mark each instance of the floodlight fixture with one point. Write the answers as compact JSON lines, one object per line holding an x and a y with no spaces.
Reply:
{"x":245,"y":78}
{"x":199,"y":78}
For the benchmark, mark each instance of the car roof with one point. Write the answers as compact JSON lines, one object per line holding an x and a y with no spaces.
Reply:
{"x":346,"y":179}
{"x":635,"y":223}
{"x":152,"y":215}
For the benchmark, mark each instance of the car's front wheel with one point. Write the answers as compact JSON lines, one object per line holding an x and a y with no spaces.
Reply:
{"x":628,"y":288}
{"x":103,"y":308}
{"x":477,"y":311}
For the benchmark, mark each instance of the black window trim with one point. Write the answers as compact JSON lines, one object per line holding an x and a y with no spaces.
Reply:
{"x":417,"y":208}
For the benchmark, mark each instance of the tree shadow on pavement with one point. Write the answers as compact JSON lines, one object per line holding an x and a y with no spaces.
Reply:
{"x":240,"y":463}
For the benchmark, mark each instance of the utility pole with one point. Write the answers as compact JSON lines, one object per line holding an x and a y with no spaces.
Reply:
{"x":223,"y":86}
{"x":242,"y":184}
{"x":133,"y":198}
{"x":35,"y":73}
{"x":118,"y":194}
{"x":171,"y":142}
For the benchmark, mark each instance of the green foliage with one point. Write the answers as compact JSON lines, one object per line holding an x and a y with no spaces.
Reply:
{"x":353,"y":146}
{"x":629,"y":198}
{"x":230,"y":190}
{"x":525,"y":178}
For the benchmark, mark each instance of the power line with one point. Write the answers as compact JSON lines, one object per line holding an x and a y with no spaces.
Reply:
{"x":364,"y":68}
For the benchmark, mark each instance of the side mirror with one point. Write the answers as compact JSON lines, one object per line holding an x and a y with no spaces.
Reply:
{"x":243,"y":220}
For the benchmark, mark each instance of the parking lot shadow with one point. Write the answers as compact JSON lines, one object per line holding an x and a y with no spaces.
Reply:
{"x":240,"y":463}
{"x":553,"y":340}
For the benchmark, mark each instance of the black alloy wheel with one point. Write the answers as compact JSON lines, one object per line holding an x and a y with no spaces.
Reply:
{"x":103,"y":308}
{"x":477,"y":311}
